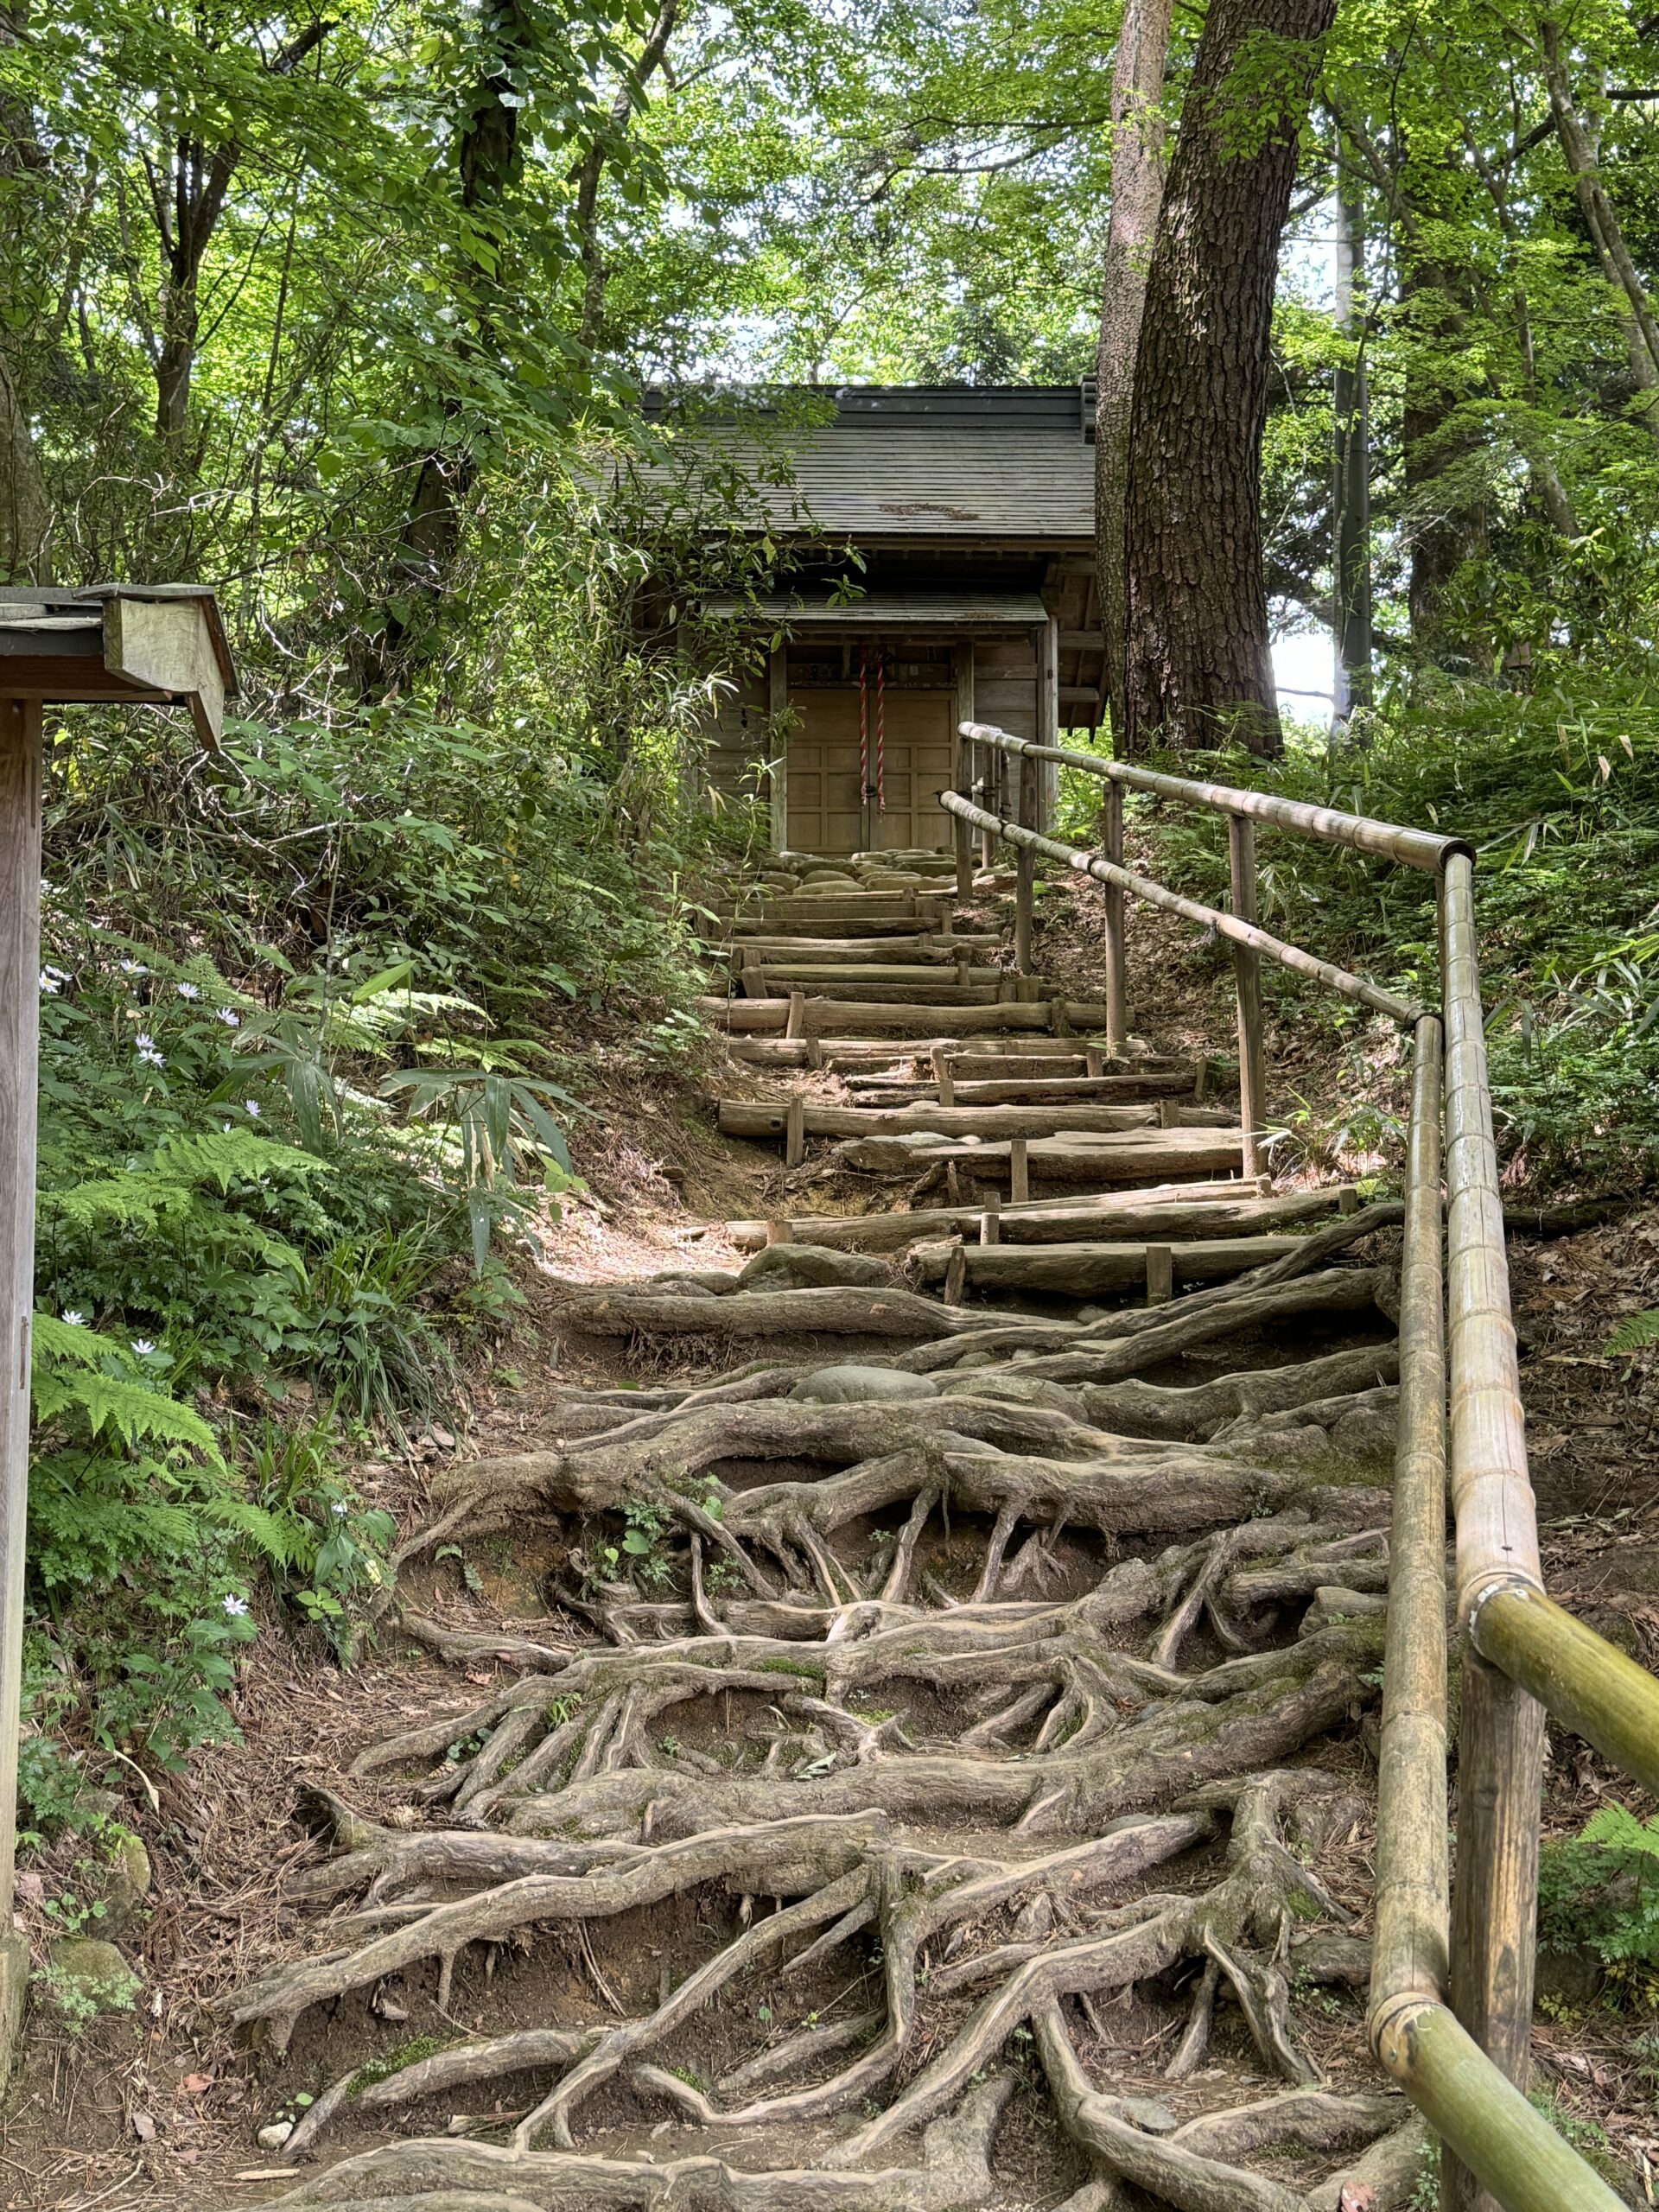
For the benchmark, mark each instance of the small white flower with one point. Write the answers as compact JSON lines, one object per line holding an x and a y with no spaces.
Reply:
{"x":253,"y":1105}
{"x":225,"y":1126}
{"x":144,"y":1041}
{"x":236,"y":1607}
{"x":133,"y":968}
{"x":75,"y":1320}
{"x":143,"y":1346}
{"x":339,"y":1509}
{"x":187,"y":990}
{"x":231,"y":1021}
{"x":152,"y":1058}
{"x":48,"y":981}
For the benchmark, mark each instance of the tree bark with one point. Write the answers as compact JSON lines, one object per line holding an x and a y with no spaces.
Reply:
{"x":25,"y":508}
{"x":1444,"y":515}
{"x":186,"y":206}
{"x":594,"y":271}
{"x":1198,"y":661}
{"x":1137,"y":195}
{"x":1582,"y":156}
{"x":1350,"y":550}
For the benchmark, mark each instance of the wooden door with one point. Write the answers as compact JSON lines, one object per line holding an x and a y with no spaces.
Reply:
{"x":826,"y":812}
{"x":825,"y":806}
{"x":917,"y":767}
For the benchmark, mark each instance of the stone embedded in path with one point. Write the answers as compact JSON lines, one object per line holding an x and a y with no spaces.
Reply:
{"x":853,"y":1385}
{"x":812,"y":1267}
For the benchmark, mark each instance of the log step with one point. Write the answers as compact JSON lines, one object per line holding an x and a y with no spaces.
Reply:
{"x":1085,"y":1270}
{"x":763,"y":1117}
{"x":1129,"y":1156}
{"x":1178,"y":1212}
{"x":925,"y":945}
{"x":1028,"y":1090}
{"x":990,"y":1057}
{"x":849,"y":1017}
{"x":930,"y":982}
{"x":827,"y":922}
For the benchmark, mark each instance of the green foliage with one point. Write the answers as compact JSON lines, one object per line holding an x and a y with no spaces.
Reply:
{"x":1599,"y":1890}
{"x":1559,"y":792}
{"x":1636,"y":1333}
{"x":337,"y":1546}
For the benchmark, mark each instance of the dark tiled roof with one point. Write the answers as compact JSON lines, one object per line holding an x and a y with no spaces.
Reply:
{"x":909,"y":463}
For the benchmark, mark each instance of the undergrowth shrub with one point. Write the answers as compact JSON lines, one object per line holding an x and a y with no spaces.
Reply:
{"x":1559,"y":793}
{"x":313,"y":1017}
{"x":1599,"y":1890}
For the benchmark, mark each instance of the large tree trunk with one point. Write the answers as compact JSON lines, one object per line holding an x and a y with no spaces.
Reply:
{"x":1445,"y":512}
{"x":1198,"y":661}
{"x":25,"y":508}
{"x":1137,"y":194}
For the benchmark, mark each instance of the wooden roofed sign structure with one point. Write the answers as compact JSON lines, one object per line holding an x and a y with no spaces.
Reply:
{"x":939,"y":553}
{"x":161,"y":644}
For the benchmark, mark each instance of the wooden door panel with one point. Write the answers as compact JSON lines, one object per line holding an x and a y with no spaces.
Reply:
{"x":826,"y":810}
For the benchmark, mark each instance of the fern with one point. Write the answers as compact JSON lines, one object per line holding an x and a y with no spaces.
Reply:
{"x":1636,"y":1333}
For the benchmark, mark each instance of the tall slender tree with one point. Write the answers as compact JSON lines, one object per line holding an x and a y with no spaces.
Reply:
{"x":1197,"y":642}
{"x":1137,"y":194}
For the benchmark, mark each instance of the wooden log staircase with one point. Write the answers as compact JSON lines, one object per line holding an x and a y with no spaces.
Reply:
{"x":961,"y":1606}
{"x":1068,"y":1163}
{"x":1074,"y":1163}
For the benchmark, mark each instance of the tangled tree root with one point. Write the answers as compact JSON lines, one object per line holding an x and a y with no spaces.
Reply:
{"x":1009,"y":1793}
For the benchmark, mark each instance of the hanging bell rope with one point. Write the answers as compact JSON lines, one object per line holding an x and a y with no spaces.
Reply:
{"x":863,"y":724}
{"x":880,"y":730}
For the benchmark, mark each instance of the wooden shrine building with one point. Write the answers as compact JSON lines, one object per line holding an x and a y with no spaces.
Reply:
{"x":938,"y":552}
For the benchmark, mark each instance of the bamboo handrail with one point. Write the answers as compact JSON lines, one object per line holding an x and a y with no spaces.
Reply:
{"x":1462,"y":2063}
{"x":1230,"y":926}
{"x":1420,"y":849}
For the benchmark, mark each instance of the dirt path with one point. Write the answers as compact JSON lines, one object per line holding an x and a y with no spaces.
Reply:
{"x":840,"y":1746}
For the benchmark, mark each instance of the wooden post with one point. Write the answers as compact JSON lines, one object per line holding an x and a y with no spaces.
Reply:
{"x":795,"y":1132}
{"x":1495,"y":1896}
{"x":1019,"y":1170}
{"x":1160,"y":1274}
{"x":779,"y":1232}
{"x":955,"y":1273}
{"x":1094,"y":1060}
{"x":963,"y":756}
{"x":1025,"y":868}
{"x":777,"y":710}
{"x":1247,"y":968}
{"x":20,"y":1019}
{"x":942,"y":1076}
{"x":795,"y":1024}
{"x":1117,"y":1015}
{"x":990,"y":1222}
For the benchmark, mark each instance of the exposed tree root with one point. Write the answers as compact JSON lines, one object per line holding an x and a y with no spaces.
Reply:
{"x":896,"y":1699}
{"x":437,"y":2175}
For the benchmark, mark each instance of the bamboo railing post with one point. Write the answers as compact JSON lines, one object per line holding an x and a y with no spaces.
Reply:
{"x":1024,"y":867}
{"x":961,"y":782}
{"x":987,"y":759}
{"x":1501,"y":1727}
{"x":1117,"y":1014}
{"x":1247,"y":969}
{"x":1408,"y":1950}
